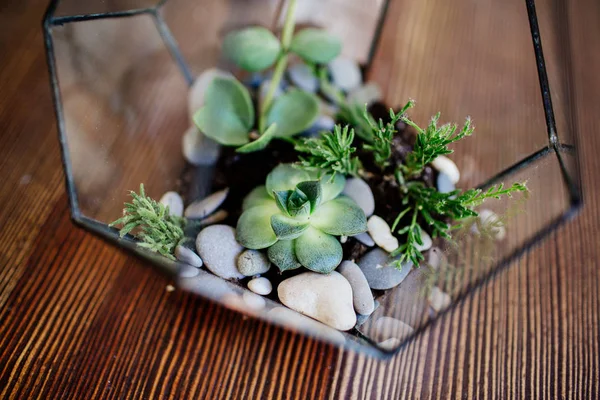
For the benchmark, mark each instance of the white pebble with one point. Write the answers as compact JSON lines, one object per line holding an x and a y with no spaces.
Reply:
{"x":302,"y":76}
{"x":199,"y":149}
{"x":260,"y":286}
{"x":254,"y":301}
{"x":359,"y":191}
{"x":188,"y":256}
{"x":438,"y":299}
{"x":446,"y":166}
{"x":187,"y":271}
{"x":175,"y":203}
{"x":381,"y":234}
{"x":345,"y":73}
{"x":427,"y":242}
{"x":201,"y":208}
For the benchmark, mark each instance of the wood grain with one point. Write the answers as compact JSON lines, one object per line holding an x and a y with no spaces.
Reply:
{"x":81,"y":319}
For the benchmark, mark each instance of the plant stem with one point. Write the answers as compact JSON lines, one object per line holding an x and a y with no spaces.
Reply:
{"x":286,"y":40}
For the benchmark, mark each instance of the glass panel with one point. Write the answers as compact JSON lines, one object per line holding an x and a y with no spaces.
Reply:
{"x":78,"y":7}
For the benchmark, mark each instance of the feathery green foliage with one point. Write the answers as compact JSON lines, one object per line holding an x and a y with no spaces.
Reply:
{"x":158,"y":230}
{"x":381,"y":147}
{"x":331,"y":152}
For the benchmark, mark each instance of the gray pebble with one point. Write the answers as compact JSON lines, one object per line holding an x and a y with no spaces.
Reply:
{"x":444,"y":183}
{"x":260,"y":286}
{"x":366,"y":94}
{"x":322,"y":123}
{"x":219,"y":250}
{"x":264,"y":89}
{"x":253,"y":262}
{"x":199,"y":149}
{"x":345,"y":73}
{"x":365,"y":239}
{"x":359,"y":191}
{"x":301,"y":76}
{"x":362,"y":298}
{"x":379,"y":274}
{"x":201,"y":208}
{"x":187,"y":271}
{"x":188,"y":256}
{"x":175,"y":203}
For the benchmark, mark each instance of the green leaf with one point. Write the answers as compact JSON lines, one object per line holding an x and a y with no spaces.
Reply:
{"x":257,"y":197}
{"x":221,"y":125}
{"x":293,"y":112}
{"x":254,"y":227}
{"x":318,"y":251}
{"x":316,"y":45}
{"x":288,"y":228}
{"x":332,"y":187}
{"x":281,"y":199}
{"x":259,"y":143}
{"x":285,"y":177}
{"x":282,"y":254}
{"x":252,"y":49}
{"x":341,"y":216}
{"x":230,"y":94}
{"x":313,"y":192}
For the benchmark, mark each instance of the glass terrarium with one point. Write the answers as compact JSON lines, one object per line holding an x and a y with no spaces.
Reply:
{"x":121,"y":73}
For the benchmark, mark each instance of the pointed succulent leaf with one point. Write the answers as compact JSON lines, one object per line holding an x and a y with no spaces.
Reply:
{"x":285,"y":177}
{"x":257,"y":197}
{"x":281,"y":199}
{"x":313,"y":192}
{"x":293,"y":112}
{"x":296,"y":199}
{"x":287,"y":227}
{"x":224,"y":93}
{"x":259,"y":143}
{"x":254,"y":229}
{"x":318,"y":251}
{"x":316,"y":45}
{"x":282,"y":254}
{"x":222,"y":125}
{"x":332,"y":187}
{"x":301,"y":211}
{"x":340,"y":216}
{"x":252,"y":49}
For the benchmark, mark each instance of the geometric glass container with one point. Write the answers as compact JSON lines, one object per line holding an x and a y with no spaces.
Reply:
{"x":120,"y":72}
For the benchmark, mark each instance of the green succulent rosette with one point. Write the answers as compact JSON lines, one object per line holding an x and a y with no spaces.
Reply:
{"x":297,"y":216}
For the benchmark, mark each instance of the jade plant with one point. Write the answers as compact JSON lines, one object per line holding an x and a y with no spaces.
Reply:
{"x":296,"y":216}
{"x":228,"y":115}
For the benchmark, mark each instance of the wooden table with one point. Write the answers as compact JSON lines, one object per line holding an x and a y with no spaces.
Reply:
{"x":81,"y":319}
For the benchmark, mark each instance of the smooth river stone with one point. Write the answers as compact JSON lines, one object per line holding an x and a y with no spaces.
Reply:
{"x":345,"y":73}
{"x":365,"y":239}
{"x":444,"y":183}
{"x":188,"y":256}
{"x":326,"y":298}
{"x":260,"y":286}
{"x":202,"y":208}
{"x":175,"y":203}
{"x":199,"y":149}
{"x":381,"y":276}
{"x":302,"y":76}
{"x":253,"y":262}
{"x":362,"y":297}
{"x":219,"y":250}
{"x":359,"y":191}
{"x":381,"y":233}
{"x":446,"y":166}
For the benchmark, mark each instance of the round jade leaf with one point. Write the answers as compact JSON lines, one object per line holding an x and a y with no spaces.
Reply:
{"x":257,"y":197}
{"x":282,"y":254}
{"x":285,"y":177}
{"x":318,"y":251}
{"x":259,"y":143}
{"x":254,"y":227}
{"x":316,"y":45}
{"x":332,"y":187}
{"x":287,"y":227}
{"x":293,"y":112}
{"x":225,"y":93}
{"x":222,"y":125}
{"x":340,"y":216}
{"x":252,"y":49}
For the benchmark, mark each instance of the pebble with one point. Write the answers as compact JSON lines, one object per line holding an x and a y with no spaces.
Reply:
{"x":201,"y":208}
{"x":260,"y":286}
{"x":491,"y":221}
{"x":438,"y":299}
{"x":386,"y":328}
{"x":198,"y":89}
{"x":345,"y":73}
{"x":219,"y":250}
{"x":381,"y":234}
{"x":378,"y":273}
{"x":322,"y":123}
{"x":365,"y":94}
{"x":298,"y":322}
{"x":444,"y":183}
{"x":302,"y":76}
{"x":436,"y":258}
{"x":359,"y":191}
{"x":175,"y":203}
{"x":253,"y":262}
{"x":264,"y":89}
{"x":390,"y":344}
{"x":362,"y":298}
{"x":199,"y":149}
{"x":188,"y":256}
{"x":365,"y":239}
{"x":446,"y":166}
{"x":326,"y":298}
{"x":187,"y":271}
{"x":427,"y":242}
{"x":361,"y":319}
{"x":254,"y":301}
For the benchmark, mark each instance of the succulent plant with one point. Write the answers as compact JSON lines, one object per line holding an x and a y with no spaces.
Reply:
{"x":296,"y":216}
